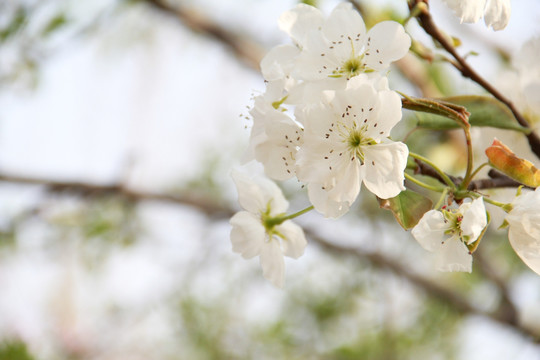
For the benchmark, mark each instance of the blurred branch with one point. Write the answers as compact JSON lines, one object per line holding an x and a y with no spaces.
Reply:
{"x":505,"y":314}
{"x":210,"y":207}
{"x":429,"y":26}
{"x":246,"y":49}
{"x":506,"y":311}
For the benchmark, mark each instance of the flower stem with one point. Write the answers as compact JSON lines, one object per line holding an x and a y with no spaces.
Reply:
{"x":423,"y":184}
{"x":475,"y":172}
{"x":469,"y":172}
{"x":445,"y":177}
{"x":441,"y":199}
{"x":504,"y":206}
{"x":296,"y":214}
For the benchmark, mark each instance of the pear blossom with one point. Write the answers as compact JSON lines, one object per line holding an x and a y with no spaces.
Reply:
{"x":260,"y":230}
{"x":340,"y":46}
{"x":496,"y":13}
{"x":524,"y":228}
{"x":526,"y":62}
{"x":447,"y":233}
{"x":275,"y":136}
{"x":346,"y":144}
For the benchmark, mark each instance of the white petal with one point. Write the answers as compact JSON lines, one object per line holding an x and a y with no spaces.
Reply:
{"x":323,"y":204}
{"x":272,"y":263}
{"x":532,"y":96}
{"x":300,"y":21}
{"x":295,"y":242}
{"x":429,"y":231}
{"x":278,"y":151}
{"x":307,"y":93}
{"x":469,"y":11}
{"x":278,"y":161}
{"x":387,"y":113}
{"x":255,"y":193}
{"x":497,"y":14}
{"x":375,"y":79}
{"x":387,"y":43}
{"x":247,"y":234}
{"x":347,"y":183}
{"x":318,"y":60}
{"x":524,"y":228}
{"x":384,"y":168}
{"x":525,"y":245}
{"x":279,"y":62}
{"x":453,"y":255}
{"x":474,"y":219}
{"x":345,"y":24}
{"x":527,"y":57}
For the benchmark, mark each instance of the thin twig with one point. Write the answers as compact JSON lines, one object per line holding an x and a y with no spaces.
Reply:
{"x":427,"y":23}
{"x":249,"y":51}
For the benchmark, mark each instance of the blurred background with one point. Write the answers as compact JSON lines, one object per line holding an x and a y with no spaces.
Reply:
{"x":120,"y":121}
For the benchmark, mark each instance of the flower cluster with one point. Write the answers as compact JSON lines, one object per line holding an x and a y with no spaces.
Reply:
{"x":338,"y":137}
{"x":325,"y":120}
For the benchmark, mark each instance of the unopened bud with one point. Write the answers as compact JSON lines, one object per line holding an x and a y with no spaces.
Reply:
{"x":504,"y":160}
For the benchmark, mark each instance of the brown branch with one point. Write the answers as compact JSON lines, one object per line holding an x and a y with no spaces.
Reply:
{"x":247,"y":50}
{"x":427,"y":23}
{"x":208,"y":206}
{"x":497,"y":180}
{"x":425,"y":169}
{"x":212,"y":208}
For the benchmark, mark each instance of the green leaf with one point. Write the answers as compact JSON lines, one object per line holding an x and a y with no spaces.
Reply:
{"x":408,"y":207}
{"x":484,"y":110}
{"x":443,"y":109}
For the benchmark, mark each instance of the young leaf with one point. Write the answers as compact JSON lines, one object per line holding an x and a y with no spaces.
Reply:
{"x":408,"y":207}
{"x":503,"y":159}
{"x":484,"y":110}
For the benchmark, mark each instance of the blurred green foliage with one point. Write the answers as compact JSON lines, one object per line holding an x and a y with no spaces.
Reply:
{"x":14,"y":350}
{"x":310,"y":2}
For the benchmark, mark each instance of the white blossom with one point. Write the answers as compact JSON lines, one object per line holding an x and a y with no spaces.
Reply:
{"x":346,"y":144}
{"x":258,"y":231}
{"x":275,"y":136}
{"x":447,"y":233}
{"x":496,"y":13}
{"x":528,"y":66}
{"x":339,"y":46}
{"x":524,"y":228}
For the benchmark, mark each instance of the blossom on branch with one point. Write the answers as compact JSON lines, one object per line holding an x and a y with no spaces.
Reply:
{"x":448,"y":233}
{"x":496,"y":13}
{"x":261,"y":229}
{"x":346,"y":144}
{"x":275,"y":136}
{"x":340,"y":46}
{"x":524,"y":228}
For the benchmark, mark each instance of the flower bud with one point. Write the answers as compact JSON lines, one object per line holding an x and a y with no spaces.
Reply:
{"x":504,"y":160}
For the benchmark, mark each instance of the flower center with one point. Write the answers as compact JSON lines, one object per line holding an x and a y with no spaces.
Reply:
{"x":352,"y":67}
{"x":270,"y":222}
{"x":356,"y":140}
{"x":454,"y":218}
